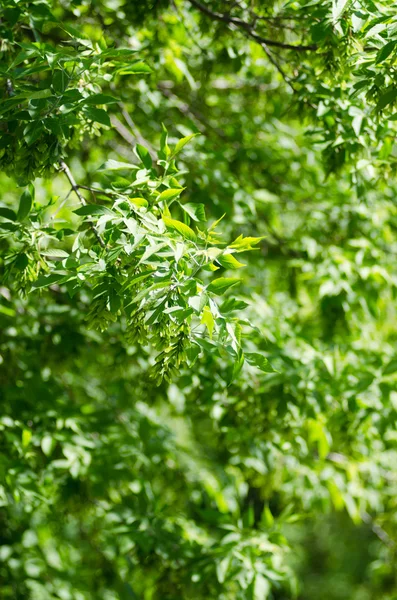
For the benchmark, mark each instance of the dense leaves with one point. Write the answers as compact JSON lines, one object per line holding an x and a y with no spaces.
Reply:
{"x":198,"y":283}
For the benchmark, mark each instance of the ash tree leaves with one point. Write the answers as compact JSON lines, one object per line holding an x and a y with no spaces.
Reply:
{"x":144,"y":155}
{"x":8,"y":213}
{"x":41,"y":116}
{"x":25,"y":203}
{"x":161,"y":296}
{"x":169,"y":195}
{"x":340,"y":63}
{"x":142,"y":263}
{"x":195,"y":211}
{"x":60,"y":81}
{"x":385,"y":51}
{"x":221,"y":284}
{"x":258,"y":360}
{"x":181,"y":144}
{"x":97,"y":115}
{"x":338,"y":8}
{"x":184,"y":230}
{"x":182,"y":397}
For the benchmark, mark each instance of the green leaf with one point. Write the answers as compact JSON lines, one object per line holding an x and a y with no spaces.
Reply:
{"x":21,"y":261}
{"x":60,"y":81}
{"x":99,"y":99}
{"x":338,"y":8}
{"x":93,"y":209}
{"x":73,"y":32}
{"x":195,"y":211}
{"x":207,"y":319}
{"x":37,"y":95}
{"x":55,"y":253}
{"x":155,"y":286}
{"x":260,"y":361}
{"x":385,"y":51}
{"x":267,"y":518}
{"x":170,"y":194}
{"x":7,"y":213}
{"x":261,"y":588}
{"x":222,"y":568}
{"x":70,"y":96}
{"x":144,"y":155}
{"x":12,"y":15}
{"x":98,"y":115}
{"x":8,"y":226}
{"x":181,"y":228}
{"x":139,"y":201}
{"x":46,"y":280}
{"x":232,"y":304}
{"x":116,"y":165}
{"x":135,"y":279}
{"x":47,"y":445}
{"x":220,"y":285}
{"x":25,"y":203}
{"x":150,"y":250}
{"x":182,"y":143}
{"x":386,"y":99}
{"x":138,"y":67}
{"x":33,"y":131}
{"x":242,"y":244}
{"x":164,"y":149}
{"x":391,"y":367}
{"x":192,"y":354}
{"x":237,"y":367}
{"x":26,"y":437}
{"x":228,"y":261}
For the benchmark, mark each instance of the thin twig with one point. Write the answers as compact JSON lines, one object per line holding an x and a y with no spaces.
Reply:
{"x":277,"y":66}
{"x":250,"y":31}
{"x":64,"y":167}
{"x":229,"y":20}
{"x":61,"y":205}
{"x":98,"y":190}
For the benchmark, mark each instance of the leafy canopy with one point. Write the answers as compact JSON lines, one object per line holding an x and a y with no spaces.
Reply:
{"x":181,"y":395}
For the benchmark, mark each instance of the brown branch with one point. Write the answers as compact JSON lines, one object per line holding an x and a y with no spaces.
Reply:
{"x":97,"y":191}
{"x":277,"y":66}
{"x":263,"y":42}
{"x":229,"y":20}
{"x":64,"y":167}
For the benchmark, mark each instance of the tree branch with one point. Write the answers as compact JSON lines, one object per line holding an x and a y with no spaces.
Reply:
{"x":64,"y":167}
{"x":229,"y":20}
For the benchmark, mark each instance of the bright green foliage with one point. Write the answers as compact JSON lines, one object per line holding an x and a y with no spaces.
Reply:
{"x":197,"y":302}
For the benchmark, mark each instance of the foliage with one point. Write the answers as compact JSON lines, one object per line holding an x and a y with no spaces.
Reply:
{"x":182,"y":399}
